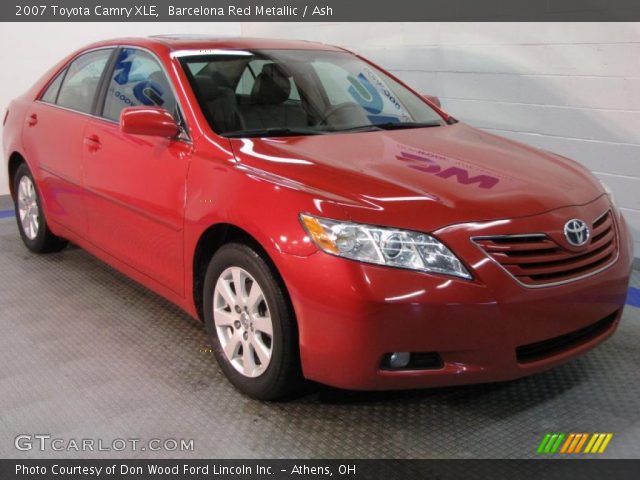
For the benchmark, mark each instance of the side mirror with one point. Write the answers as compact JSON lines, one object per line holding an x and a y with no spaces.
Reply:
{"x":433,"y":99}
{"x":152,"y":121}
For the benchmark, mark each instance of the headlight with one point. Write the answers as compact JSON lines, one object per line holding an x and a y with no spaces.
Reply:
{"x":610,"y":194}
{"x":383,"y":246}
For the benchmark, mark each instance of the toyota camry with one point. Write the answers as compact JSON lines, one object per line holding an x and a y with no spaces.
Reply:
{"x":324,"y":220}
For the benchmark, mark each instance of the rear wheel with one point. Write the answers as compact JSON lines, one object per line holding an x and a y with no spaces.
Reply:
{"x":250,"y":323}
{"x":32,"y":224}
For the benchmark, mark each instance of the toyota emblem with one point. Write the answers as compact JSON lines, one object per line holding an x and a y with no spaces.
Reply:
{"x":576,"y":232}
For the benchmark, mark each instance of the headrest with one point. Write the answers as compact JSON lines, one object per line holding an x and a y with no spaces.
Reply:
{"x":206,"y":87}
{"x":272,"y":85}
{"x":210,"y":85}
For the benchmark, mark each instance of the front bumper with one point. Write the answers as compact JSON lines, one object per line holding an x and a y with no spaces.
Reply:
{"x":351,"y":314}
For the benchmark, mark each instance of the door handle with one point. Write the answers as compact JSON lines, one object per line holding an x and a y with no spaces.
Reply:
{"x":33,"y":120}
{"x":93,"y":142}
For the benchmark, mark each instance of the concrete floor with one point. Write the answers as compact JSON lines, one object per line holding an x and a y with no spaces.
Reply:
{"x":87,"y":353}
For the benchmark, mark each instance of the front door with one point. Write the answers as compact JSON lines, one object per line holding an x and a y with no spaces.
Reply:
{"x":136,"y":184}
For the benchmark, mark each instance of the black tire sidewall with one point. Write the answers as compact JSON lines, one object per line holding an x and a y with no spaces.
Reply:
{"x":280,"y":375}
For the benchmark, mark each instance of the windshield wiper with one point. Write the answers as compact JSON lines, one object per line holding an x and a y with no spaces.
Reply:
{"x":272,"y":132}
{"x":388,"y":126}
{"x":292,"y":131}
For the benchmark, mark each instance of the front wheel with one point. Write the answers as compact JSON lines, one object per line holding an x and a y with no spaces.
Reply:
{"x":251,"y":324}
{"x":32,"y":224}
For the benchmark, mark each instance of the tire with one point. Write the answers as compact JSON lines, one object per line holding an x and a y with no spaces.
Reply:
{"x":34,"y":231}
{"x":262,"y":366}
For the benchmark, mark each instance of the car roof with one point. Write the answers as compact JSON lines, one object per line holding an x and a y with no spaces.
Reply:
{"x":202,"y":42}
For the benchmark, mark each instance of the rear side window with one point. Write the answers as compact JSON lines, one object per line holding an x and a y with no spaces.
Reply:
{"x":137,"y":80}
{"x":80,"y":84}
{"x":50,"y":95}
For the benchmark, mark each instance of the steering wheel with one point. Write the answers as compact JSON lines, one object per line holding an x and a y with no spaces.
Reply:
{"x":338,"y":108}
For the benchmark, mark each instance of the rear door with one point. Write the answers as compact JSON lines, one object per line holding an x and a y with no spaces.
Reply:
{"x":53,"y":136}
{"x":136,"y":184}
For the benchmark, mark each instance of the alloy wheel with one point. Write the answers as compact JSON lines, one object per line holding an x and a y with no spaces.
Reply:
{"x":28,"y":208}
{"x":243,"y":322}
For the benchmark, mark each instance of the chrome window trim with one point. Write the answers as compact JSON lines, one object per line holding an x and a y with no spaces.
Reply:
{"x":90,"y":115}
{"x":561,"y":282}
{"x":209,"y":51}
{"x":185,"y":131}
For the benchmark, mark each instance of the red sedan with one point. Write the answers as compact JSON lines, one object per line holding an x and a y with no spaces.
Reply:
{"x":323,"y":219}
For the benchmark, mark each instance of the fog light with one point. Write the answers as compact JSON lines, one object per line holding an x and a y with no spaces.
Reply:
{"x":399,"y":359}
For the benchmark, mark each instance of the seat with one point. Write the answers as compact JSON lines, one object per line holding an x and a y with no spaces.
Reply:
{"x":218,"y":102}
{"x":269,"y":105}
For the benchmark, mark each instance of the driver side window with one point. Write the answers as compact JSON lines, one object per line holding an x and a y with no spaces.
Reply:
{"x":137,"y":80}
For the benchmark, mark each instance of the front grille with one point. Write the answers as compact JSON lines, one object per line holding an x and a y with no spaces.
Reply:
{"x":537,"y":260}
{"x":552,"y":346}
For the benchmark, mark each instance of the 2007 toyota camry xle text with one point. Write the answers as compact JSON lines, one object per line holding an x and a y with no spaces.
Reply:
{"x":324,"y":220}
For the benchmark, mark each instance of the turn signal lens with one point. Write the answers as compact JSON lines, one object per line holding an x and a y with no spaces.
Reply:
{"x":318,"y":234}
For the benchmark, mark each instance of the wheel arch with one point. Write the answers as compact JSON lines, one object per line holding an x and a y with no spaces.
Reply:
{"x":15,"y":160}
{"x":210,"y":242}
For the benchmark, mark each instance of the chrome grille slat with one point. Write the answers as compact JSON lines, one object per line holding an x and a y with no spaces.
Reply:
{"x":559,"y":268}
{"x":536,"y":260}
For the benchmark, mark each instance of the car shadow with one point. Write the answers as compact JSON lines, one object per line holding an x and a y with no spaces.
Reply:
{"x":511,"y":396}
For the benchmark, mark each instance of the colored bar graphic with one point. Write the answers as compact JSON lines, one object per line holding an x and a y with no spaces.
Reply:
{"x":573,"y":443}
{"x":556,"y":445}
{"x":596,"y":446}
{"x":591,"y":443}
{"x":543,"y":443}
{"x":581,"y":442}
{"x":577,"y":438}
{"x":551,"y":442}
{"x":566,"y":445}
{"x":605,"y":443}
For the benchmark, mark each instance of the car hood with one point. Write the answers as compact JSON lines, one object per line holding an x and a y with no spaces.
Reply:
{"x":422,"y":178}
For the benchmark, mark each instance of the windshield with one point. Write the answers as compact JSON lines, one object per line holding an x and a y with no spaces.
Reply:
{"x":300,"y":92}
